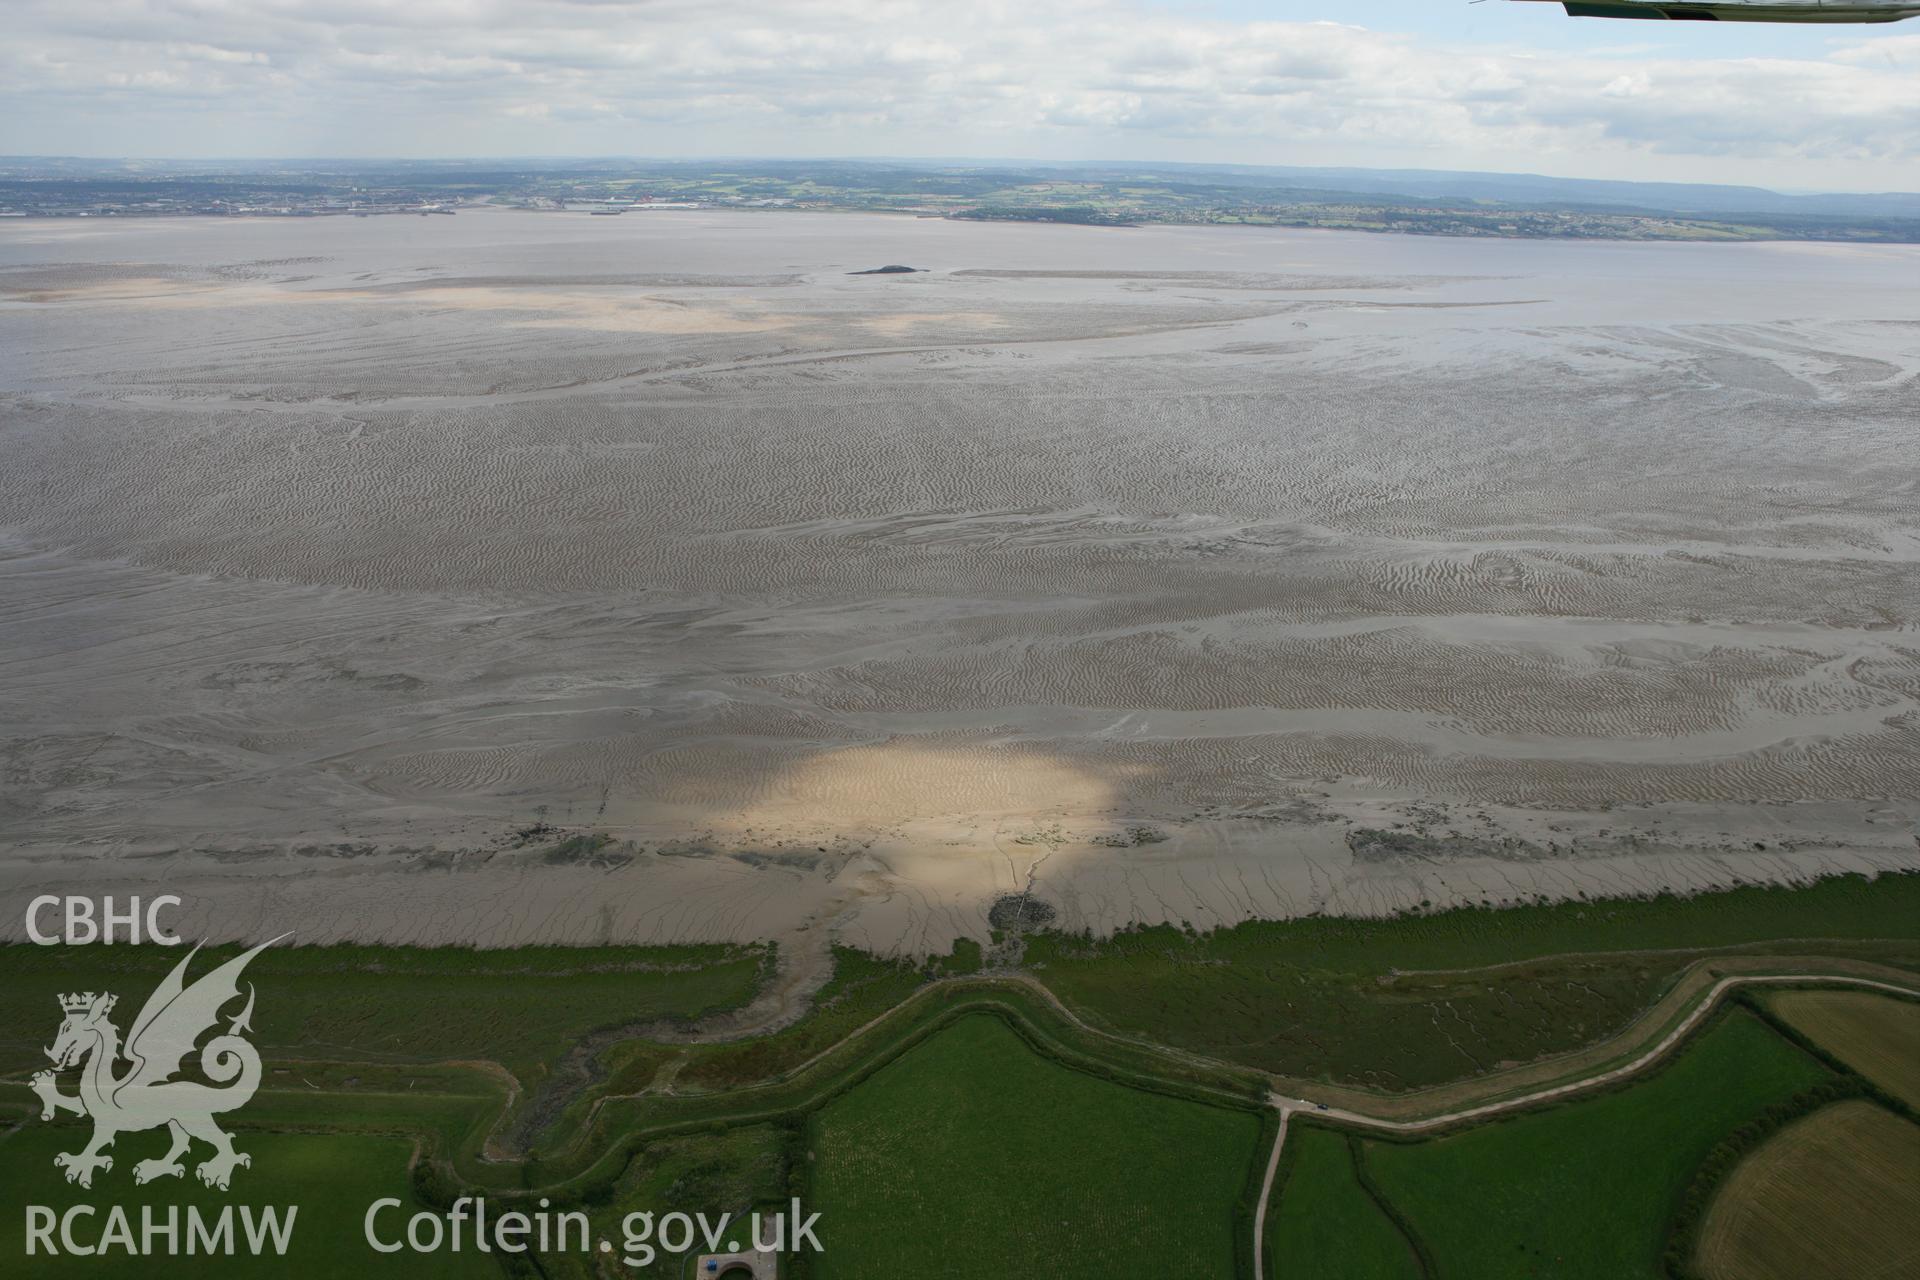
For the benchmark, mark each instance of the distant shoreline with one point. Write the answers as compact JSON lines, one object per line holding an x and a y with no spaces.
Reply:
{"x":1470,"y":205}
{"x":1700,"y":232}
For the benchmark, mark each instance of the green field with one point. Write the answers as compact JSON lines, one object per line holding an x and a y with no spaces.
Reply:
{"x":1587,"y":1189}
{"x":1325,"y":1226}
{"x":973,"y":1156}
{"x":974,"y":1129}
{"x":332,"y":1179}
{"x":1383,"y":1003}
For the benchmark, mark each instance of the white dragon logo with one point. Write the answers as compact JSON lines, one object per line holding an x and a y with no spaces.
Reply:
{"x":146,"y":1096}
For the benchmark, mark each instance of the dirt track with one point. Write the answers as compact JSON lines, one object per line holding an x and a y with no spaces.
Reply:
{"x":1288,"y":1106}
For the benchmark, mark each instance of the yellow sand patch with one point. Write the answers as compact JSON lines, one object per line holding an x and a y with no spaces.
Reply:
{"x":908,"y":324}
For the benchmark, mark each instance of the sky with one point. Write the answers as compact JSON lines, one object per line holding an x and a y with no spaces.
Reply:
{"x":1437,"y":84}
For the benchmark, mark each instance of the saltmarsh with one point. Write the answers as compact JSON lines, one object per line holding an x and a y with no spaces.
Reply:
{"x":1411,"y":1001}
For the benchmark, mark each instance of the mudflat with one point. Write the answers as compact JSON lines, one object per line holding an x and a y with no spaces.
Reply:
{"x":538,"y":577}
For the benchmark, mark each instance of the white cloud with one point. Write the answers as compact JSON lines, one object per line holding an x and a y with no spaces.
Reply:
{"x":1039,"y":78}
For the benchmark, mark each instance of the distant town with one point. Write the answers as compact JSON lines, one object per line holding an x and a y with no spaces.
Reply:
{"x":1511,"y":206}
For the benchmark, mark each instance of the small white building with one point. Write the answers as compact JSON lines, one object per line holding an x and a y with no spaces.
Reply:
{"x":754,"y":1264}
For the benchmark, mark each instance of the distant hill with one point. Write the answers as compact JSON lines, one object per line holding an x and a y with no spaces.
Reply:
{"x":1522,"y":188}
{"x":1307,"y":184}
{"x":1092,"y":193}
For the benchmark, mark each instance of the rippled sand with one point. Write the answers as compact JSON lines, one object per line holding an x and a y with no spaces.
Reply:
{"x":1147,"y":566}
